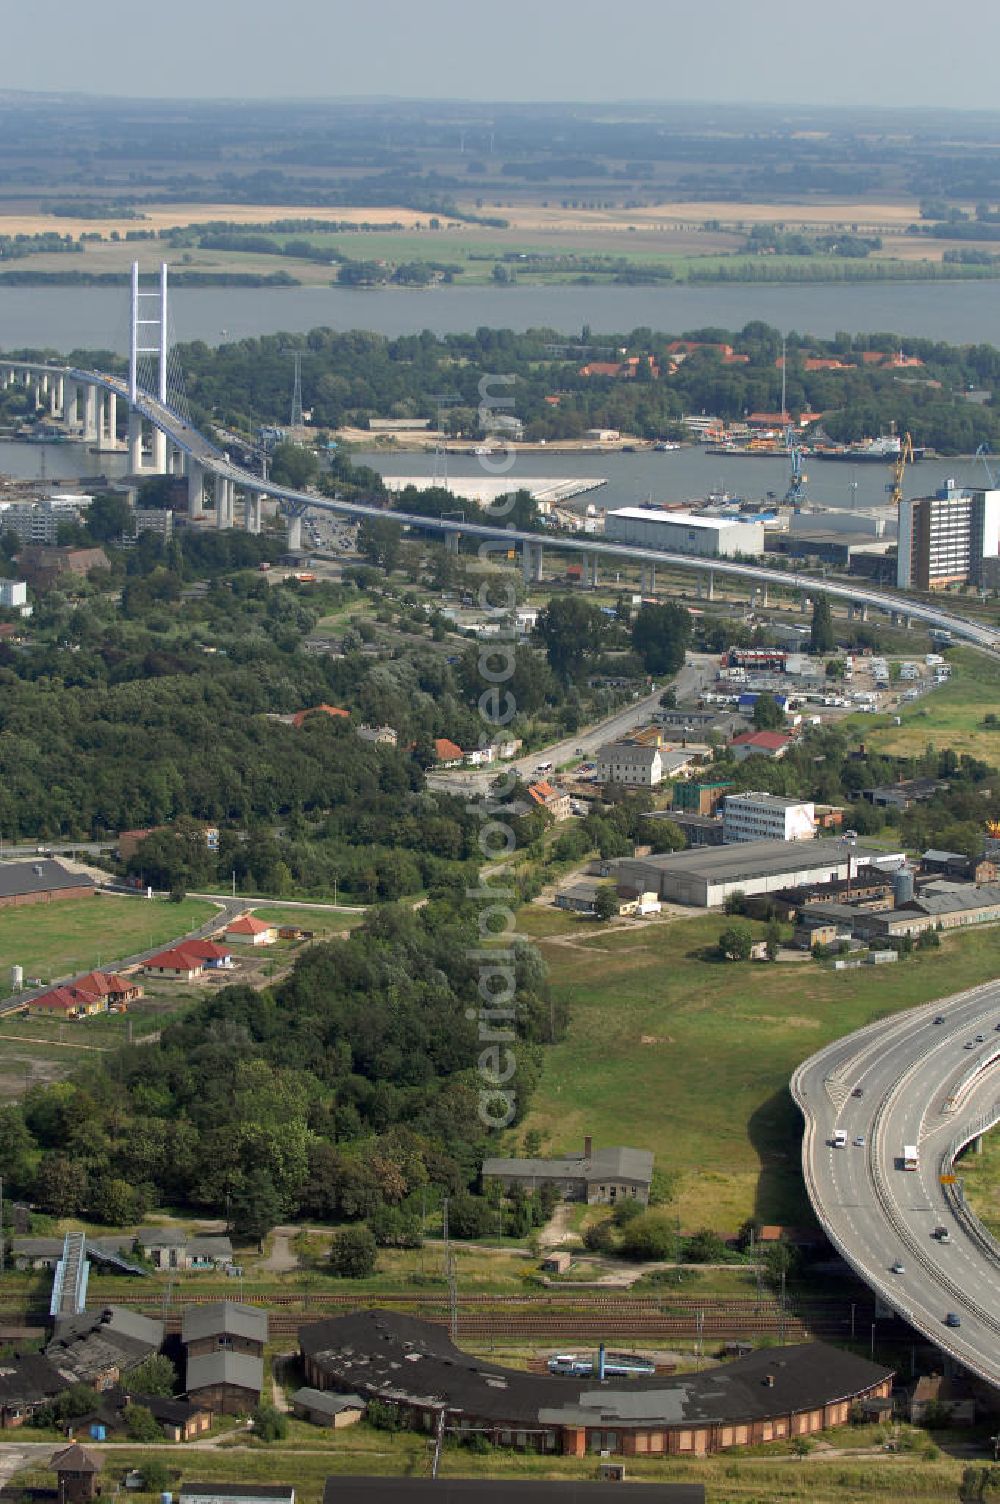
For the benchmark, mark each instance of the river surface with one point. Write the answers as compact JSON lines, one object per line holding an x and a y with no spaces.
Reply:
{"x":678,"y":475}
{"x":687,"y":474}
{"x":96,"y":318}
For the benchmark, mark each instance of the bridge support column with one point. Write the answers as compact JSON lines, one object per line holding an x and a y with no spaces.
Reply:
{"x":451,"y":542}
{"x":159,"y":455}
{"x":531,"y":563}
{"x":196,"y":491}
{"x":134,"y":440}
{"x":648,"y":583}
{"x":223,"y":502}
{"x":70,"y":390}
{"x":594,"y":579}
{"x":294,"y":536}
{"x":251,"y":511}
{"x":55,"y":396}
{"x":90,"y":411}
{"x":706,"y":585}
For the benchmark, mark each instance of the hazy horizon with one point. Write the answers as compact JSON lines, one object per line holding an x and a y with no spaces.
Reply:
{"x":864,"y":56}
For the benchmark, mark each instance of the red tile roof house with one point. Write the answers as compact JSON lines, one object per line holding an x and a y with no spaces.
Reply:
{"x":94,"y":993}
{"x":249,"y":930}
{"x":189,"y":960}
{"x":760,"y":744}
{"x":447,"y":753}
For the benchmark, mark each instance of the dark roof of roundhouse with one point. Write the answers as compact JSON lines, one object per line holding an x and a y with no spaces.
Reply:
{"x":401,"y":1358}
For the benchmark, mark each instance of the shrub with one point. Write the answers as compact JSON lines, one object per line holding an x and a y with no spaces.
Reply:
{"x":269,"y":1424}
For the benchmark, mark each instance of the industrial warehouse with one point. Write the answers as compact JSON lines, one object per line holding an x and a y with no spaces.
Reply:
{"x":706,"y":876}
{"x":685,"y":532}
{"x":412,"y":1364}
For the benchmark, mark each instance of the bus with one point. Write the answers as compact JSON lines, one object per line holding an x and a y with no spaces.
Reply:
{"x":910,"y":1161}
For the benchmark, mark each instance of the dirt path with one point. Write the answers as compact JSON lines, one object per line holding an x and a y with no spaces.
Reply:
{"x":282,"y":1258}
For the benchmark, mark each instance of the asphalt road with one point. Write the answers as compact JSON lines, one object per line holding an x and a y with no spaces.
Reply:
{"x":920,"y":1085}
{"x":698,"y":671}
{"x":228,"y":909}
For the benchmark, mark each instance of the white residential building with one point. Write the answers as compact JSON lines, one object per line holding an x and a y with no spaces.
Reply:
{"x":627,"y":762}
{"x":767,"y":817}
{"x":13,"y":594}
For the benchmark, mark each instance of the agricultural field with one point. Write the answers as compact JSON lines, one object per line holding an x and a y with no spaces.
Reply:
{"x":60,"y":939}
{"x":672,"y":1050}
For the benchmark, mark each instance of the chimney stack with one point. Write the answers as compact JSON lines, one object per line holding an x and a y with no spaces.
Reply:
{"x":588,"y":1146}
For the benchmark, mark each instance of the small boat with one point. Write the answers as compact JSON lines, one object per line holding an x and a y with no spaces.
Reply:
{"x":665,"y":446}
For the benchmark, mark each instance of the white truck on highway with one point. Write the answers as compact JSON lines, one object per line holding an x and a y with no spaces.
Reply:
{"x":910,"y":1161}
{"x":839,"y":1140}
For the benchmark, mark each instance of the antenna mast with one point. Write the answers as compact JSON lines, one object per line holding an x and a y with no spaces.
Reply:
{"x":297,"y":392}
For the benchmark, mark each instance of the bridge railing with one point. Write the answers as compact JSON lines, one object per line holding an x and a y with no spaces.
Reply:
{"x":954,"y":1192}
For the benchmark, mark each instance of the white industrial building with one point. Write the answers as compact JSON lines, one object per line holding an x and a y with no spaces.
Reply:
{"x":705,"y":876}
{"x":685,"y":533}
{"x":767,"y":817}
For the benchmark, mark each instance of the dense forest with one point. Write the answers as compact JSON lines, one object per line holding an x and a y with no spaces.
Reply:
{"x":348,"y":1088}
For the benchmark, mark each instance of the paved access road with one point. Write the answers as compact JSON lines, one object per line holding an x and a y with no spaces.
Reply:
{"x":921,"y":1084}
{"x":698,"y":671}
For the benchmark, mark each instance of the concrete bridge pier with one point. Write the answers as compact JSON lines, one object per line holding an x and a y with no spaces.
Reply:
{"x":451,"y":541}
{"x":134,"y":440}
{"x":531,"y":562}
{"x":592,"y":571}
{"x":706,"y":585}
{"x":223,"y":502}
{"x":251,"y":511}
{"x":857,"y":611}
{"x":196,"y":491}
{"x":294,"y":536}
{"x":648,"y":581}
{"x":107,"y":420}
{"x":55,"y":396}
{"x":70,"y":393}
{"x":159,"y":454}
{"x":90,"y":434}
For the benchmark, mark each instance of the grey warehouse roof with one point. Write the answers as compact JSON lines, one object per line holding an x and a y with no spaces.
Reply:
{"x":606,"y":1164}
{"x":719,"y":864}
{"x":239,"y":1369}
{"x":326,"y":1402}
{"x":226,"y":1317}
{"x":377,"y":1490}
{"x":632,"y":752}
{"x":19,"y":879}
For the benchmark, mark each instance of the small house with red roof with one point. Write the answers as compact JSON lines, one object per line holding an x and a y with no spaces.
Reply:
{"x":189,"y":960}
{"x":760,"y":744}
{"x":546,"y":796}
{"x":447,"y":752}
{"x":249,"y":930}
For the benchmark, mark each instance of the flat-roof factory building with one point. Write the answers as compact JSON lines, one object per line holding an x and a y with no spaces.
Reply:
{"x":685,"y":533}
{"x":705,"y":876}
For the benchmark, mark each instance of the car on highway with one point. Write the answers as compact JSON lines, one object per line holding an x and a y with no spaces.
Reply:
{"x":940,"y":1020}
{"x":859,"y":1141}
{"x":970,"y":1044}
{"x":980,"y":1039}
{"x":898,"y":1268}
{"x":953,"y":1319}
{"x":941,"y":1233}
{"x":858,"y":1091}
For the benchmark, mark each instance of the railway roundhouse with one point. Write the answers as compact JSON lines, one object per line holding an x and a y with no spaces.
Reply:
{"x":765,"y":1396}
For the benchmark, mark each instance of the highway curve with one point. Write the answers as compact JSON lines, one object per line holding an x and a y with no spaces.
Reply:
{"x":910,"y":1079}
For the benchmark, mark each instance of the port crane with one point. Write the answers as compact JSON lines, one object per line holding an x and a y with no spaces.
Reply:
{"x":981,"y":453}
{"x":899,"y":464}
{"x":796,"y":492}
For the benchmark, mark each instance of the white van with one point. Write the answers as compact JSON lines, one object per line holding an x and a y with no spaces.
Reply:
{"x":839,"y":1140}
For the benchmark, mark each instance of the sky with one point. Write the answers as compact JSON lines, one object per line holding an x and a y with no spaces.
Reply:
{"x":857,"y":52}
